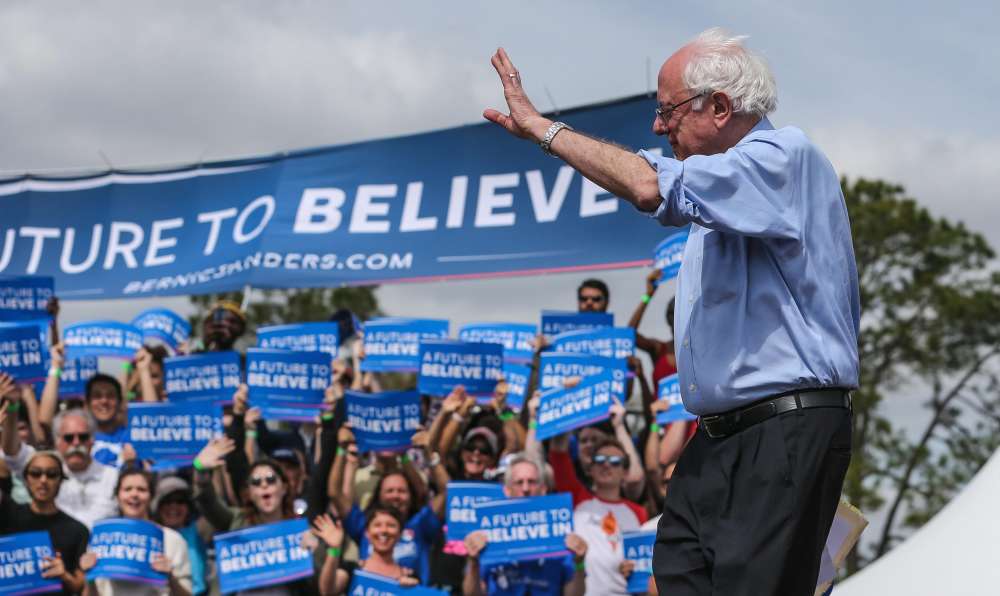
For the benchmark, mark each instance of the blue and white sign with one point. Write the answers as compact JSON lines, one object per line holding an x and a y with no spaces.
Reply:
{"x":323,"y":217}
{"x":669,"y":390}
{"x":610,"y":342}
{"x":171,"y":434}
{"x":287,"y":385}
{"x":21,"y":557}
{"x":25,"y":297}
{"x":525,"y":529}
{"x":125,"y":549}
{"x":517,"y":377}
{"x":447,"y":363}
{"x":383,"y":421}
{"x":638,"y":548}
{"x":365,"y":583}
{"x":22,"y":351}
{"x":462,"y":497}
{"x":392,"y":344}
{"x":563,"y":410}
{"x":517,"y":338}
{"x":212,"y":376}
{"x":555,"y":368}
{"x":668,"y":254}
{"x":301,"y":337}
{"x":264,"y":555}
{"x":163,"y":325}
{"x":75,"y":374}
{"x":555,"y":322}
{"x":102,"y":338}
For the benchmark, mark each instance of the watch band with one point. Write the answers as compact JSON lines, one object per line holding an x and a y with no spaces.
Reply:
{"x":550,"y":134}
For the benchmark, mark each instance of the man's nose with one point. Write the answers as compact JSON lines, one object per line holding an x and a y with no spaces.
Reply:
{"x":659,"y":128}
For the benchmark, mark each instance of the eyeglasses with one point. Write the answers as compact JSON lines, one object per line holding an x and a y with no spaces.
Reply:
{"x":594,"y":299}
{"x":50,"y":473}
{"x":611,"y":460}
{"x":665,"y":112}
{"x":71,"y":437}
{"x":268,"y":480}
{"x":480,"y":449}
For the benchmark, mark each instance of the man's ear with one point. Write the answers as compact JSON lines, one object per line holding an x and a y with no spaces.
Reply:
{"x":722,"y":108}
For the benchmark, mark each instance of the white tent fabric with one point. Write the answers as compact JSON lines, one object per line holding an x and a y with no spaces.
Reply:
{"x":954,"y":554}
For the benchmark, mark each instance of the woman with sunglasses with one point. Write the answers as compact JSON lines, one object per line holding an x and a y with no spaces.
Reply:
{"x":269,"y":500}
{"x":134,"y":493}
{"x":43,"y":476}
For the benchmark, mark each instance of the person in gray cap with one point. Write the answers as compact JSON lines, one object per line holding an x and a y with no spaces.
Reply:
{"x":173,"y":507}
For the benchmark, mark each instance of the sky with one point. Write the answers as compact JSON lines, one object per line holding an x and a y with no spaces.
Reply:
{"x":897,"y":90}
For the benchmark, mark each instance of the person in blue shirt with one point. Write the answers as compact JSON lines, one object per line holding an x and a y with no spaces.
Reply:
{"x":555,"y":576}
{"x":767,"y":315}
{"x":104,"y":400}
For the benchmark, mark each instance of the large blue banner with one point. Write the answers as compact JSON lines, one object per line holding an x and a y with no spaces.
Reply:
{"x":516,"y":338}
{"x":383,"y":421}
{"x":163,"y":325}
{"x":21,"y":557}
{"x":22,"y":352}
{"x":555,"y":322}
{"x":638,"y":548}
{"x":25,"y":297}
{"x":462,"y":497}
{"x":557,"y":367}
{"x":392,"y":344}
{"x":301,"y":337}
{"x":349,"y":214}
{"x":102,"y":338}
{"x":212,"y":376}
{"x":610,"y":342}
{"x":523,"y":529}
{"x":171,"y":435}
{"x":447,"y":363}
{"x":287,"y":385}
{"x":669,"y":390}
{"x":125,"y":549}
{"x":667,"y":255}
{"x":563,"y":410}
{"x":261,"y":556}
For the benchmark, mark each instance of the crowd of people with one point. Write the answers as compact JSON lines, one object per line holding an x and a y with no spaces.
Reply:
{"x":67,"y":464}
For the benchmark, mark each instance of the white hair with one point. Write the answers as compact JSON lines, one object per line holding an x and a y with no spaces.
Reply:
{"x":86,"y":416}
{"x":719,"y":62}
{"x":523,"y":457}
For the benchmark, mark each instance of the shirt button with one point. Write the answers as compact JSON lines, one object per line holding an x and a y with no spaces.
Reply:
{"x":687,"y":342}
{"x":692,"y":387}
{"x":691,"y":299}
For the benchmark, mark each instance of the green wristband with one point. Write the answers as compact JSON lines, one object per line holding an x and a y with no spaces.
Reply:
{"x":55,"y":372}
{"x":646,"y":298}
{"x":533,"y":424}
{"x":579,"y":566}
{"x":654,"y":427}
{"x":126,"y":366}
{"x":333,"y":551}
{"x":198,"y":465}
{"x":341,"y":451}
{"x":13,"y":406}
{"x":404,"y":459}
{"x":506,"y":416}
{"x":252,"y":433}
{"x":326,"y":416}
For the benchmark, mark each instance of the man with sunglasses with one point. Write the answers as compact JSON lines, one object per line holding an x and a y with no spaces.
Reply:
{"x":87,"y":492}
{"x":767,"y":315}
{"x":592,"y":296}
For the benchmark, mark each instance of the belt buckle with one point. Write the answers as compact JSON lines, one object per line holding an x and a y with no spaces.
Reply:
{"x":708,"y":420}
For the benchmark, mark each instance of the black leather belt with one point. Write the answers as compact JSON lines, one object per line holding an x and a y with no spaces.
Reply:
{"x":728,"y":423}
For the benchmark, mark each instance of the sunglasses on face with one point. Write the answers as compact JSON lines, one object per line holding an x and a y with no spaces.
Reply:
{"x":70,"y":437}
{"x":611,"y":460}
{"x":268,"y":480}
{"x":480,"y":449}
{"x":50,"y":473}
{"x":594,"y":299}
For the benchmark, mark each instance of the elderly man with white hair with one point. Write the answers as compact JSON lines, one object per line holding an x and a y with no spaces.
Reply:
{"x":87,"y":493}
{"x":767,"y":315}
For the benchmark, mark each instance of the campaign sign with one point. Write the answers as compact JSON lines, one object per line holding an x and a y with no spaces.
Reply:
{"x":447,"y":363}
{"x":125,"y":549}
{"x":563,"y":410}
{"x":163,"y":325}
{"x":669,"y":390}
{"x":516,"y":338}
{"x":287,"y":385}
{"x":610,"y":342}
{"x":383,"y":421}
{"x":366,"y":583}
{"x":638,"y":548}
{"x":102,"y":338}
{"x":556,"y":367}
{"x":667,"y":256}
{"x":517,"y":377}
{"x":25,"y":297}
{"x":170,"y":434}
{"x":74,"y":377}
{"x":21,"y":558}
{"x":22,"y":352}
{"x":524,"y":529}
{"x":393,"y":344}
{"x":263,"y":555}
{"x":555,"y":322}
{"x":212,"y":376}
{"x":301,"y":337}
{"x":462,"y":498}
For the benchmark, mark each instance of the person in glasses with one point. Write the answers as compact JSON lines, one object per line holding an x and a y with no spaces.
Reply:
{"x":43,"y":476}
{"x":134,"y":492}
{"x":593,"y":296}
{"x":88,"y":491}
{"x":223,"y":326}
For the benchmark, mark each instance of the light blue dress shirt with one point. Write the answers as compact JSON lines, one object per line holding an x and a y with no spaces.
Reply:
{"x":767,"y":295}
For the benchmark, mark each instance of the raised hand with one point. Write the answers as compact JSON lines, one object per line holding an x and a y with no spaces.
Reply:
{"x":577,"y":546}
{"x":329,"y":530}
{"x":7,"y":386}
{"x":213,"y":454}
{"x":240,"y":397}
{"x":653,"y":280}
{"x":475,"y":542}
{"x":524,"y":121}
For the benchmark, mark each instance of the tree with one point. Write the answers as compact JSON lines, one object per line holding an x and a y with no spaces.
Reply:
{"x":930,"y":331}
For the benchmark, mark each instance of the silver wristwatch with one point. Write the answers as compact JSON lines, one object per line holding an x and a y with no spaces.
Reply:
{"x":546,"y":142}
